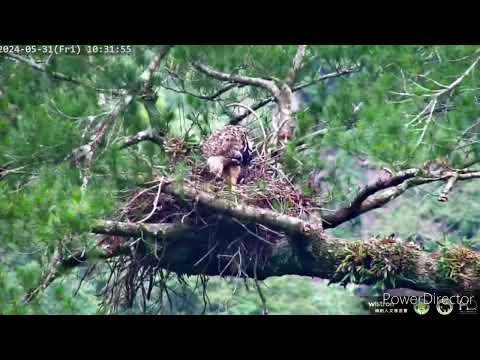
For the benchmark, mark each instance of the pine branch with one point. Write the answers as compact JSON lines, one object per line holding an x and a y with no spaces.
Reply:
{"x":145,"y":135}
{"x":268,"y":85}
{"x":213,"y":97}
{"x":379,"y":194}
{"x":237,"y":118}
{"x":166,"y":232}
{"x":328,"y":257}
{"x":332,"y":75}
{"x":306,"y":250}
{"x":289,"y":224}
{"x":297,"y":65}
{"x":84,"y":156}
{"x":147,"y":76}
{"x":60,"y":76}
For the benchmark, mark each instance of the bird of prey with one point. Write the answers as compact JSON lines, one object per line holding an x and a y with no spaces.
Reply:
{"x":227,"y":150}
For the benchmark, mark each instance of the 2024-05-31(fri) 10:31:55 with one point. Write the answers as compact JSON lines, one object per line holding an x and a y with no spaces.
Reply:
{"x":67,"y":49}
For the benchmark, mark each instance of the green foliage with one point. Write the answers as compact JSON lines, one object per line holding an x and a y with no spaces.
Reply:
{"x":287,"y":295}
{"x":291,"y":295}
{"x":61,"y":298}
{"x":370,"y":114}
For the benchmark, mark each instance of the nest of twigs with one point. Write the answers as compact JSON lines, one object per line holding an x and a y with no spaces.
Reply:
{"x":261,"y":184}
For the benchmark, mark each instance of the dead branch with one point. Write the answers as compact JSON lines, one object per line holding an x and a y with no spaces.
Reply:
{"x":426,"y":114}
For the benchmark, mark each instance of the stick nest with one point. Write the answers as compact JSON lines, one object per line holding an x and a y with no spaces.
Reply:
{"x":261,"y":184}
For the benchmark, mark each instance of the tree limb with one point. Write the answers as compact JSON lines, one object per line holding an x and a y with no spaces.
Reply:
{"x":164,"y":231}
{"x":145,"y":135}
{"x":383,"y":192}
{"x":62,"y":77}
{"x":297,"y":65}
{"x":448,"y":187}
{"x":427,"y":112}
{"x":268,"y":85}
{"x":237,"y":118}
{"x":149,"y":72}
{"x":289,"y":224}
{"x":332,"y":75}
{"x":212,"y":97}
{"x":306,"y":250}
{"x":328,"y":257}
{"x":84,"y":156}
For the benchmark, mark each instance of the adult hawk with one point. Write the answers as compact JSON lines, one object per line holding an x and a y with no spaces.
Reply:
{"x":227,"y":150}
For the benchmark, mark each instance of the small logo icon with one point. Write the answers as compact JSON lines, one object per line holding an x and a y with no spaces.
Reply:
{"x":421,"y":308}
{"x":468,"y":308}
{"x":444,"y":306}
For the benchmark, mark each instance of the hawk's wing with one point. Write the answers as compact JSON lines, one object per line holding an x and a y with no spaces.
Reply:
{"x":227,"y":142}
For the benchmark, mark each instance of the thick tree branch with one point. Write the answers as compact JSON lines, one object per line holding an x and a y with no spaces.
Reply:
{"x":332,"y":258}
{"x":268,"y":85}
{"x":289,"y":224}
{"x":305,"y":250}
{"x":377,"y":195}
{"x":164,"y":231}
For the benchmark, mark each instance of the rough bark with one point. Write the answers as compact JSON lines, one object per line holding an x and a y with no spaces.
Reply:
{"x":289,"y":224}
{"x":305,"y":249}
{"x":320,"y":255}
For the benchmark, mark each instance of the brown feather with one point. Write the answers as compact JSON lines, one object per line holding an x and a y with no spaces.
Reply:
{"x":223,"y":150}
